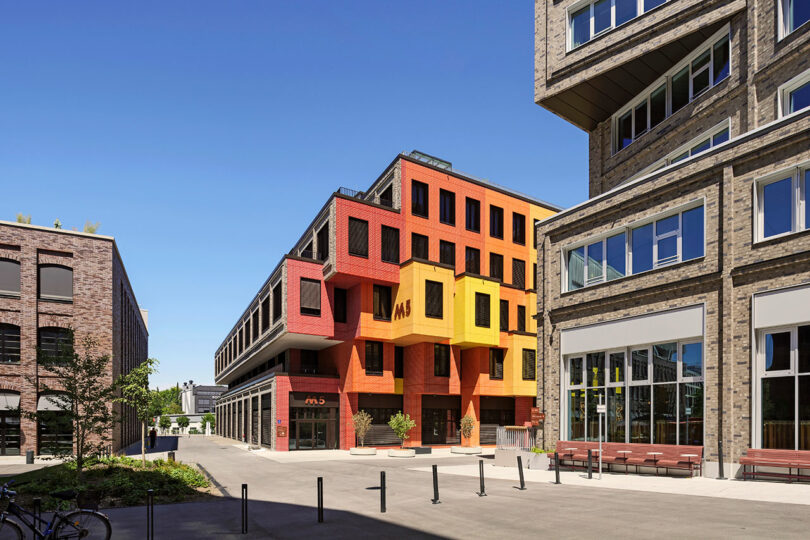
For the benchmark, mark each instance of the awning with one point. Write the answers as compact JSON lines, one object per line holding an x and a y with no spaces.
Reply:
{"x":9,"y":401}
{"x":50,"y":403}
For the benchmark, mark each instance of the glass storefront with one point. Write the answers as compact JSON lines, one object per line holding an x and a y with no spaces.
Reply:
{"x":313,"y":421}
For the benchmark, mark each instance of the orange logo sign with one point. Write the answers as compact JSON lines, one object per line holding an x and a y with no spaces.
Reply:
{"x":402,"y":310}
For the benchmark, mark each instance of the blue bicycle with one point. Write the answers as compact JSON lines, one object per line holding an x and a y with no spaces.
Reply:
{"x":81,"y":523}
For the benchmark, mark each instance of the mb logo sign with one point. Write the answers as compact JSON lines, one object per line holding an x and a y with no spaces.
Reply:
{"x":402,"y":310}
{"x":315,"y":400}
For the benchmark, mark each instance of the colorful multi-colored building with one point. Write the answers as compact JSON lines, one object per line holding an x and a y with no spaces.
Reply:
{"x":416,"y":295}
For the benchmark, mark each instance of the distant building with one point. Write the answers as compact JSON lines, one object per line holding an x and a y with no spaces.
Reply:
{"x":199,"y":399}
{"x":195,"y":425}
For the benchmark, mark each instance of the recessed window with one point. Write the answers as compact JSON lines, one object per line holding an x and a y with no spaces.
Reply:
{"x":419,"y":246}
{"x":472,"y":259}
{"x":447,"y":253}
{"x":795,"y":94}
{"x":389,"y":248}
{"x":447,"y":207}
{"x":793,"y":14}
{"x":598,"y":16}
{"x":277,"y":303}
{"x":496,"y":266}
{"x":519,"y":273}
{"x":518,"y":228}
{"x":496,"y":222}
{"x":482,"y":310}
{"x":399,"y":362}
{"x":521,"y":318}
{"x":419,"y":199}
{"x":341,"y":305}
{"x":473,"y":215}
{"x":504,"y":326}
{"x":374,"y":358}
{"x":782,"y":206}
{"x":441,"y":360}
{"x":382,"y":303}
{"x":529,"y":364}
{"x":496,"y":364}
{"x":358,"y":237}
{"x":9,"y":344}
{"x":254,"y":325}
{"x":265,"y":313}
{"x":54,"y":343}
{"x":9,"y":277}
{"x":310,"y":297}
{"x":434,"y":299}
{"x":55,"y":282}
{"x":323,"y":242}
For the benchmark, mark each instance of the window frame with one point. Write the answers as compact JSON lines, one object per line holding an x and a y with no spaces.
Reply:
{"x":416,"y":184}
{"x":15,"y":294}
{"x":496,"y":226}
{"x":381,"y":359}
{"x":374,"y":289}
{"x":53,"y":297}
{"x":5,"y":330}
{"x":421,"y":238}
{"x":434,"y":315}
{"x":798,"y":206}
{"x":441,"y":372}
{"x":470,"y":203}
{"x":349,"y":243}
{"x":784,"y":91}
{"x":569,"y":36}
{"x":518,"y":218}
{"x":452,"y":247}
{"x":386,"y":229}
{"x":446,"y":194}
{"x":783,"y":13}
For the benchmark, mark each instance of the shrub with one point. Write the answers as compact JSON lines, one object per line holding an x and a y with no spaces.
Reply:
{"x":362,"y":423}
{"x":401,"y":424}
{"x":467,"y":426}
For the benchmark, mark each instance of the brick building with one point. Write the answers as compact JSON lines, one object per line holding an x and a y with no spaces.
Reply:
{"x":50,"y":281}
{"x":415,"y":295}
{"x":680,"y":290}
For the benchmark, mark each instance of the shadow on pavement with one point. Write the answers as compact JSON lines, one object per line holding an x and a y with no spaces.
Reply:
{"x":166,"y":443}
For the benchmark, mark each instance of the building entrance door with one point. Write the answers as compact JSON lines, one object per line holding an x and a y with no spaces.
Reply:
{"x":312,"y":429}
{"x":9,"y":433}
{"x":441,"y":416}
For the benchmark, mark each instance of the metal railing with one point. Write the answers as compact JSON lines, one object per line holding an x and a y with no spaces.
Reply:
{"x":515,"y":438}
{"x":351,"y":192}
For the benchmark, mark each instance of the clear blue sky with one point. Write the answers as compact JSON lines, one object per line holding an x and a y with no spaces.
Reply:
{"x":205,"y":135}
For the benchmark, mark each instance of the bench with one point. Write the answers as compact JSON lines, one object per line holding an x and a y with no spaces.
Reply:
{"x":783,"y":459}
{"x":656,"y":456}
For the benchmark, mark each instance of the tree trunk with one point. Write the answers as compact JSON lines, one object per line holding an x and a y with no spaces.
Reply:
{"x":143,"y":443}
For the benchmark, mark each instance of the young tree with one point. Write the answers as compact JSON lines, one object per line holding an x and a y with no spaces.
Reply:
{"x":165,"y":422}
{"x":135,"y":393}
{"x":77,"y":386}
{"x":362,"y":423}
{"x":209,"y":418}
{"x":183,"y":422}
{"x":401,"y":424}
{"x":23,"y":219}
{"x":91,"y":227}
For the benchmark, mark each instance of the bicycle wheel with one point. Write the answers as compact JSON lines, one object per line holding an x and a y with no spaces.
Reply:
{"x":10,"y":530}
{"x":84,"y":524}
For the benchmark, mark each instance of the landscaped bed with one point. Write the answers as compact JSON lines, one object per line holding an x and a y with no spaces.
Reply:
{"x":114,"y":482}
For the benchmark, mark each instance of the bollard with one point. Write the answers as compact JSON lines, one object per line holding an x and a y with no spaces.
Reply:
{"x":720,"y":460}
{"x":590,"y":465}
{"x":244,"y":509}
{"x":483,"y":492}
{"x":436,"y":485}
{"x":320,"y":499}
{"x":557,"y":467}
{"x":29,"y":457}
{"x":170,"y":456}
{"x":520,"y":472}
{"x":37,"y":511}
{"x":150,"y":514}
{"x":382,"y":492}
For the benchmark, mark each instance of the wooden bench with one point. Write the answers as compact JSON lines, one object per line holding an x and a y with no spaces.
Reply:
{"x":782,"y":459}
{"x":655,"y":456}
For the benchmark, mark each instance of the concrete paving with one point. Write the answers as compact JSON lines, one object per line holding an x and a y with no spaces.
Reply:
{"x":283,"y":498}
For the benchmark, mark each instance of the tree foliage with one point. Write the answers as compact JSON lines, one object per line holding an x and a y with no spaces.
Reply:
{"x":401,"y":424}
{"x":91,"y":227}
{"x":135,"y":392}
{"x":209,"y":418}
{"x":23,"y":219}
{"x":183,"y":421}
{"x":467,"y":425}
{"x":165,"y":402}
{"x":362,"y":423}
{"x":165,"y":422}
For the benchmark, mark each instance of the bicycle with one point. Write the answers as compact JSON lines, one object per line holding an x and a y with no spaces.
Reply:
{"x":80,"y":523}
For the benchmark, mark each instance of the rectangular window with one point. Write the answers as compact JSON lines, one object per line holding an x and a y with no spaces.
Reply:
{"x":447,"y":207}
{"x":310,"y":297}
{"x":529,"y":364}
{"x":419,"y":199}
{"x":341,"y":305}
{"x":472,"y":259}
{"x":482,"y":310}
{"x":276,"y":303}
{"x":599,"y":16}
{"x":419,"y":246}
{"x":521,"y":318}
{"x":496,"y":266}
{"x":701,"y":74}
{"x":358,"y":237}
{"x":495,"y":222}
{"x":580,"y":27}
{"x":658,"y":106}
{"x":323,"y":242}
{"x":518,"y":228}
{"x":496,"y":364}
{"x":794,"y":13}
{"x":265,"y":313}
{"x":389,"y":248}
{"x":55,"y":282}
{"x":254,"y":325}
{"x":441,"y":360}
{"x":519,"y":273}
{"x":382,"y":303}
{"x":798,"y":98}
{"x":399,"y":362}
{"x":534,"y":232}
{"x":9,"y":344}
{"x":374,"y":358}
{"x":434,"y":299}
{"x":447,"y":253}
{"x":782,"y":205}
{"x":534,"y":277}
{"x":387,"y":196}
{"x":504,"y":315}
{"x":473,"y":215}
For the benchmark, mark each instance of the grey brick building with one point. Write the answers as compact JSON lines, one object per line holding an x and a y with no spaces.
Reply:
{"x":680,"y":290}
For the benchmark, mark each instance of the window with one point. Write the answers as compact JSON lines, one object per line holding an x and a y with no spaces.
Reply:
{"x":793,"y":14}
{"x":703,"y":69}
{"x":473,"y":215}
{"x":586,"y":21}
{"x":441,"y":360}
{"x":519,"y":273}
{"x":674,"y":238}
{"x":434,"y":299}
{"x":54,"y":343}
{"x":382,"y":303}
{"x":504,"y":327}
{"x":254,"y":326}
{"x":529,"y":364}
{"x":496,"y":364}
{"x":323,"y":242}
{"x":534,"y":277}
{"x":660,"y":402}
{"x":387,"y":196}
{"x":496,"y":266}
{"x":783,"y":385}
{"x":534,"y":232}
{"x":518,"y":228}
{"x":9,"y":277}
{"x":341,"y":306}
{"x":309,"y":361}
{"x":389,"y":248}
{"x":399,"y":362}
{"x":358,"y":237}
{"x":782,"y":203}
{"x":419,"y":246}
{"x":310,"y":297}
{"x":9,"y":344}
{"x":265,"y":313}
{"x":419,"y":199}
{"x":521,"y":318}
{"x":55,"y":282}
{"x":447,"y":253}
{"x":447,"y":207}
{"x":472,"y":261}
{"x":482,"y":310}
{"x":496,"y":222}
{"x":374,"y":358}
{"x":277,"y":303}
{"x":795,"y":94}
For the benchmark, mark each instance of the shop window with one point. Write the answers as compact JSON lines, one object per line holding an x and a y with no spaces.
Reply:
{"x":9,"y":277}
{"x":55,"y":282}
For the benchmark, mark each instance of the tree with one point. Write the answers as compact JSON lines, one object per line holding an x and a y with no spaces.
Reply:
{"x":23,"y":219}
{"x":209,"y":418}
{"x":183,"y":422}
{"x":467,"y":427}
{"x":362,"y":423}
{"x":135,"y":393}
{"x":57,"y":224}
{"x":165,"y":422}
{"x":91,"y":227}
{"x":76,"y":385}
{"x":401,"y":424}
{"x":173,"y":408}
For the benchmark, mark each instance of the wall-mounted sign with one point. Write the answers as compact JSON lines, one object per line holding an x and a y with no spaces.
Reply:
{"x":313,"y":399}
{"x":281,"y":431}
{"x":402,"y":310}
{"x":537,"y":416}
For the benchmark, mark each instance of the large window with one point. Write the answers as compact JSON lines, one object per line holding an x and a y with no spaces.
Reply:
{"x":55,"y":282}
{"x":389,"y":244}
{"x":473,"y":215}
{"x":9,"y":277}
{"x":434,"y":299}
{"x":782,"y":203}
{"x":9,"y":344}
{"x":358,"y":237}
{"x":382,"y":303}
{"x":310,"y":297}
{"x":447,"y":207}
{"x":447,"y":253}
{"x":518,"y":228}
{"x":793,"y":14}
{"x":472,"y":258}
{"x":482,"y":310}
{"x":706,"y":67}
{"x":496,"y":222}
{"x":783,"y":373}
{"x":54,"y":343}
{"x":664,"y":241}
{"x":374,"y":358}
{"x":529,"y":364}
{"x":441,"y":360}
{"x":496,"y":364}
{"x":419,"y":199}
{"x":496,"y":266}
{"x":654,"y":394}
{"x":794,"y":95}
{"x":419,"y":246}
{"x":589,"y":19}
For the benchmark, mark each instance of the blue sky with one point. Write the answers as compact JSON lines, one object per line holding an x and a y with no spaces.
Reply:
{"x":205,"y":135}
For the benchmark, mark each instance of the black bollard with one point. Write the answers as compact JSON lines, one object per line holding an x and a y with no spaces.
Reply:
{"x":150,"y":514}
{"x":244,"y":509}
{"x":483,"y":492}
{"x":382,"y":491}
{"x":590,"y":464}
{"x":436,"y":485}
{"x":320,"y":499}
{"x":37,"y":511}
{"x":520,"y":472}
{"x":720,"y":460}
{"x":557,"y":467}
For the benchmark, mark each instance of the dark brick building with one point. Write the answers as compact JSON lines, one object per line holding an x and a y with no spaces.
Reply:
{"x":52,"y":280}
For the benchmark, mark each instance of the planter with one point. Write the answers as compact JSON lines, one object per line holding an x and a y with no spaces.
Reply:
{"x":363,"y":451}
{"x":402,"y":452}
{"x":537,"y":462}
{"x":466,"y":450}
